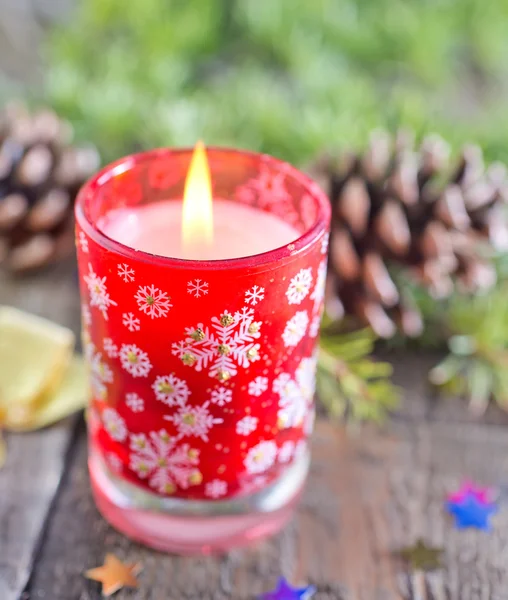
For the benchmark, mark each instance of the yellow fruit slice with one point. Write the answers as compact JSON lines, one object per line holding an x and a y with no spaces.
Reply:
{"x":34,"y":355}
{"x":71,"y":396}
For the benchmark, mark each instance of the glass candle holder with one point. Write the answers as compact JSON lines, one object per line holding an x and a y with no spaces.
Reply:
{"x":202,"y":372}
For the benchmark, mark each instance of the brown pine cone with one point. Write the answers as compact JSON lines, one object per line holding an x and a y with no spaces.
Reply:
{"x":40,"y":174}
{"x":397,"y":207}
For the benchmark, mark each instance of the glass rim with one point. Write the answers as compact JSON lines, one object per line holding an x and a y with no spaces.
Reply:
{"x":287,"y":251}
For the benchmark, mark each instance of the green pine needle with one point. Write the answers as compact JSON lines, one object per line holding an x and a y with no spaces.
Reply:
{"x":477,"y":363}
{"x":350,"y":384}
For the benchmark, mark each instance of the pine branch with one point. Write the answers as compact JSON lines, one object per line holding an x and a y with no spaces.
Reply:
{"x":350,"y":384}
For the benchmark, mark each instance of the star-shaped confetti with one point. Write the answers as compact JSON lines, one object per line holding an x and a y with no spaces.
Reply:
{"x":422,"y":557}
{"x":484,"y":495}
{"x":114,"y":575}
{"x":285,"y":592}
{"x":470,"y":512}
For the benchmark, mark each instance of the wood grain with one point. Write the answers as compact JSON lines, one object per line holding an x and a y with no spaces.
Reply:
{"x":35,"y":461}
{"x":366,"y":497}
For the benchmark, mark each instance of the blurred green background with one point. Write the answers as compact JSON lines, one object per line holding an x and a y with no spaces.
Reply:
{"x":290,"y":77}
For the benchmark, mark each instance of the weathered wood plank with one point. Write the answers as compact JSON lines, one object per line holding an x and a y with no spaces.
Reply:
{"x":366,"y":498}
{"x":35,"y":461}
{"x":28,"y":483}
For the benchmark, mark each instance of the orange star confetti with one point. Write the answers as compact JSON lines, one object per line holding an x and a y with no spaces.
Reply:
{"x":114,"y":575}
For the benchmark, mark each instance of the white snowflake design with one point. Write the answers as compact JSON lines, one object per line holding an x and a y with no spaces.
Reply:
{"x":100,"y":372}
{"x":99,"y":296}
{"x":126,"y":273}
{"x":134,"y":402}
{"x":110,"y":348}
{"x":223,"y":347}
{"x":83,"y":242}
{"x":165,"y":463}
{"x":260,"y":457}
{"x":114,"y":424}
{"x":314,"y":326}
{"x":193,"y":420}
{"x":221,"y":396}
{"x":324,"y":243}
{"x":114,"y":462}
{"x":86,"y":315}
{"x":295,"y":396}
{"x":300,"y":450}
{"x":254,"y":295}
{"x":131,"y":322}
{"x":295,"y":328}
{"x":299,"y":286}
{"x":153,"y":301}
{"x":216,"y":488}
{"x":171,"y":390}
{"x":197,"y":288}
{"x":246,"y":425}
{"x":134,"y":360}
{"x":286,"y":451}
{"x":258,"y":386}
{"x":318,"y":293}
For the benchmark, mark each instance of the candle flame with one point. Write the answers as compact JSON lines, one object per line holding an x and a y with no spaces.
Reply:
{"x":197,"y":216}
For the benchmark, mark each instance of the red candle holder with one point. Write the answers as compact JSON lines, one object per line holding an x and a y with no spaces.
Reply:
{"x":202,"y":372}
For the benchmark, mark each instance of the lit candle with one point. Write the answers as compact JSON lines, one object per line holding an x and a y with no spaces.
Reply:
{"x":170,"y":228}
{"x":201,"y":370}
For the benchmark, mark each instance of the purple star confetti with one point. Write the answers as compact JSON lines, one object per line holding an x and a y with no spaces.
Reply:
{"x":484,"y":495}
{"x":471,"y":512}
{"x":285,"y":592}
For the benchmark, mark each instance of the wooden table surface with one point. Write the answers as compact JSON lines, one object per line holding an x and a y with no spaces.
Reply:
{"x":369,"y":493}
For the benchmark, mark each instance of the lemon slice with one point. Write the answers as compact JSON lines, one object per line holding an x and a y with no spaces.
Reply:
{"x":34,"y":355}
{"x":71,"y":396}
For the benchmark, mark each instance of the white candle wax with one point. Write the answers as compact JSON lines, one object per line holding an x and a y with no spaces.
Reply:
{"x":239,"y":230}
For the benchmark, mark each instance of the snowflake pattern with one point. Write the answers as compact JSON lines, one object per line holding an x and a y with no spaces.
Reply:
{"x":268,"y":192}
{"x":197,"y":288}
{"x":260,"y":457}
{"x":193,"y":420}
{"x":286,"y":451}
{"x":318,"y":293}
{"x":152,"y":301}
{"x":295,"y":328}
{"x":83,"y":242}
{"x":254,"y":295}
{"x":171,"y":390}
{"x":134,"y":360}
{"x":221,"y":396}
{"x":114,"y":425}
{"x":258,"y":386}
{"x":99,"y":296}
{"x":113,"y":462}
{"x":110,"y":348}
{"x":216,"y":488}
{"x":100,"y":372}
{"x":324,"y":243}
{"x":134,"y":402}
{"x":246,"y":425}
{"x":166,"y":464}
{"x":131,"y":322}
{"x":295,"y":396}
{"x":314,"y":326}
{"x":126,"y":273}
{"x":223,"y":347}
{"x":86,"y":315}
{"x":299,"y":286}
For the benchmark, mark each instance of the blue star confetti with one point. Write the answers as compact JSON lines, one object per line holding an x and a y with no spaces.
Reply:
{"x":472,"y":512}
{"x":285,"y":592}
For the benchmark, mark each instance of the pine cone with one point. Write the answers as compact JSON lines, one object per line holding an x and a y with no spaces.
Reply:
{"x":394,"y":207}
{"x":40,"y":174}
